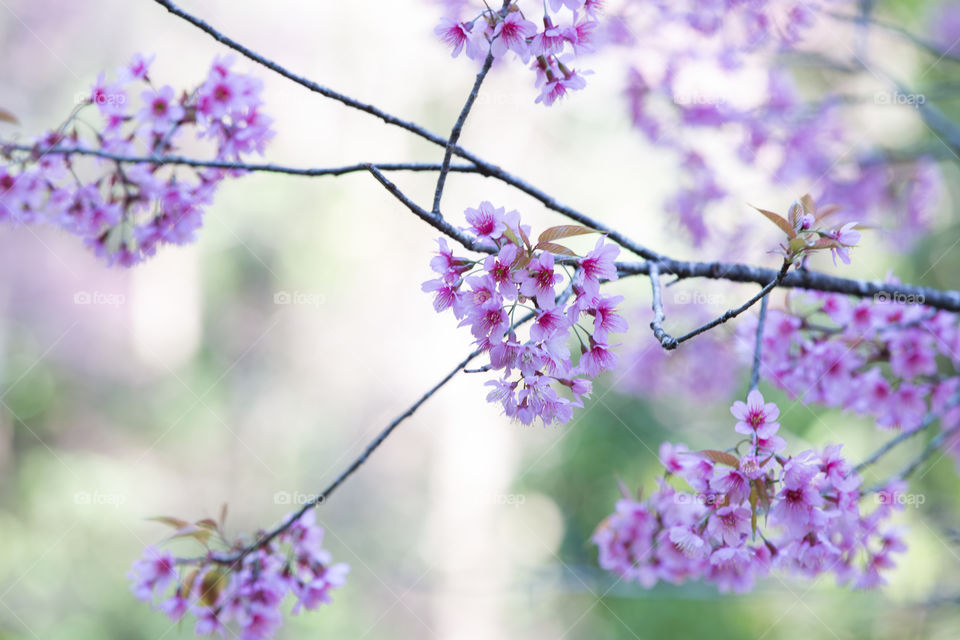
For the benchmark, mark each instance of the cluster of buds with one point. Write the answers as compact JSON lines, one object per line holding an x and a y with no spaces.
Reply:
{"x":807,"y":233}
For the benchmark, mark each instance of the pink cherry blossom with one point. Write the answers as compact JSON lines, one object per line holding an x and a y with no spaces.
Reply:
{"x":756,"y":417}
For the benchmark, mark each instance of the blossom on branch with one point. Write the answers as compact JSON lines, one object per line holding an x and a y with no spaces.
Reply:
{"x":540,"y":379}
{"x":748,"y":515}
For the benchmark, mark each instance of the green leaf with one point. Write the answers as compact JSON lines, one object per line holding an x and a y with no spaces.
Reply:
{"x":780,"y":221}
{"x":511,"y":236}
{"x":563,"y":231}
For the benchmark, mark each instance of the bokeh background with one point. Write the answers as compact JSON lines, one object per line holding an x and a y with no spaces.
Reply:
{"x":183,"y":385}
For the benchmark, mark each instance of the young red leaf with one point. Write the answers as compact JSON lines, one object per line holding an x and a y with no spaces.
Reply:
{"x":564,"y":231}
{"x":207,"y":523}
{"x":555,"y":248}
{"x":176,"y":523}
{"x":780,"y":221}
{"x":720,"y":457}
{"x":6,"y":116}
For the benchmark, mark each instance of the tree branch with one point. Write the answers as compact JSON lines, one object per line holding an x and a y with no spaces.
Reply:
{"x":176,"y":160}
{"x":485,"y":168}
{"x":668,"y":342}
{"x":935,"y":443}
{"x":926,"y":45}
{"x":945,"y":299}
{"x":237,"y":556}
{"x":758,"y":345}
{"x":457,"y":129}
{"x":435,"y":221}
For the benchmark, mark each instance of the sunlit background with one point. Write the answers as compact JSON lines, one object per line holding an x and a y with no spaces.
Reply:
{"x":181,"y":385}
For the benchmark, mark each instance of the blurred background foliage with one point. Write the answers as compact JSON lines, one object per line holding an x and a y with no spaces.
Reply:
{"x":184,"y":385}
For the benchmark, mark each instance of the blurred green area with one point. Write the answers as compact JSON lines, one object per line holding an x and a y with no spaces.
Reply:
{"x":100,"y":431}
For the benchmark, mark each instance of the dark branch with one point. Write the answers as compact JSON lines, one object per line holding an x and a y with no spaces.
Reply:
{"x":320,"y":498}
{"x":948,"y":300}
{"x":668,"y":342}
{"x":758,"y":345}
{"x":457,"y":130}
{"x":485,"y":168}
{"x":435,"y":221}
{"x":239,"y":166}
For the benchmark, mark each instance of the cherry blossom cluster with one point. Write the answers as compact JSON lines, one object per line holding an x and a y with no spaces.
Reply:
{"x":891,"y":359}
{"x":566,"y":31}
{"x":702,"y":71}
{"x":741,"y":516}
{"x":246,"y":594}
{"x":491,"y":294}
{"x":125,"y":211}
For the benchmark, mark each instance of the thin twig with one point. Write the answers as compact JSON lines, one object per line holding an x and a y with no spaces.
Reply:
{"x":926,"y":45}
{"x":237,"y":556}
{"x":239,"y":166}
{"x":457,"y":130}
{"x":485,"y":168}
{"x":436,"y":222}
{"x":946,"y":299}
{"x":666,"y":341}
{"x":935,"y":443}
{"x":758,"y":346}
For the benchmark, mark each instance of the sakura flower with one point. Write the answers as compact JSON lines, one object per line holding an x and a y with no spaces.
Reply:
{"x":688,"y":542}
{"x":152,"y":572}
{"x":596,"y":265}
{"x":460,"y":36}
{"x":550,"y":41}
{"x":756,"y":417}
{"x":675,"y":458}
{"x":138,"y":68}
{"x":606,"y":319}
{"x":486,"y":222}
{"x":597,"y":359}
{"x":511,"y":34}
{"x":844,"y":237}
{"x":160,"y":109}
{"x":558,"y":87}
{"x":539,"y":280}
